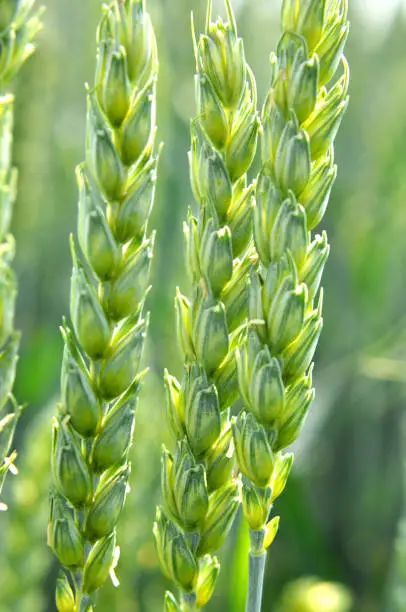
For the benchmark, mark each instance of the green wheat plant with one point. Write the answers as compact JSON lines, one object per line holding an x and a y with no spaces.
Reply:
{"x":19,"y":24}
{"x":300,"y":119}
{"x":100,"y":379}
{"x":199,"y":491}
{"x":24,"y":559}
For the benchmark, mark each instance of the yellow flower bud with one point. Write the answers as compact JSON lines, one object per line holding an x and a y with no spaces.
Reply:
{"x":175,"y":557}
{"x":184,"y":325}
{"x":202,"y":419}
{"x":220,"y":461}
{"x":139,"y":128}
{"x":63,"y":534}
{"x":270,"y":531}
{"x":323,"y":124}
{"x":136,"y":208}
{"x":215,"y":182}
{"x":290,"y":232}
{"x":139,"y":42}
{"x":286,"y":316}
{"x":78,"y":397}
{"x":253,"y":450}
{"x":121,"y":364}
{"x":225,"y":379}
{"x":305,"y":17}
{"x":99,"y":563}
{"x":283,"y":466}
{"x":266,"y":390}
{"x":242,"y":146}
{"x":129,"y":288}
{"x":273,"y":123}
{"x":95,"y":237}
{"x":112,"y":443}
{"x":293,"y":163}
{"x":116,"y":88}
{"x":170,"y":603}
{"x":105,"y":163}
{"x":107,"y":505}
{"x":174,"y":409}
{"x":291,"y":427}
{"x":208,"y":573}
{"x":89,"y":320}
{"x":297,"y":357}
{"x":312,"y":270}
{"x":239,"y":220}
{"x":212,"y":115}
{"x":268,"y":202}
{"x":331,"y":46}
{"x":256,"y":505}
{"x":216,"y":256}
{"x":221,"y":57}
{"x":69,"y":466}
{"x":167,"y":484}
{"x":189,"y":488}
{"x":64,"y":597}
{"x":192,"y":241}
{"x":210,"y":336}
{"x":303,"y":88}
{"x":223,"y":507}
{"x":316,"y":194}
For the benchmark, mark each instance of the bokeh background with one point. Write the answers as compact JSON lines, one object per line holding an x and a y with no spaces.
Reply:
{"x":342,"y":511}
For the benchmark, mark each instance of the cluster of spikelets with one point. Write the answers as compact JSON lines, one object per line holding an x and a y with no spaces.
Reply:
{"x":200,"y":494}
{"x":300,"y":119}
{"x":18,"y":26}
{"x":100,"y":371}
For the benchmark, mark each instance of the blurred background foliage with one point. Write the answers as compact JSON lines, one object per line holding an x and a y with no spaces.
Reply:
{"x":342,"y":508}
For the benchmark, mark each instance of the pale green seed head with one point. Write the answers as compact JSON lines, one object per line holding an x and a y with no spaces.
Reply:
{"x":110,"y":282}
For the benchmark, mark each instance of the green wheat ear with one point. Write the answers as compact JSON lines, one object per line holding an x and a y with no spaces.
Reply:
{"x":18,"y":27}
{"x":199,"y":491}
{"x":300,"y":119}
{"x":101,"y":376}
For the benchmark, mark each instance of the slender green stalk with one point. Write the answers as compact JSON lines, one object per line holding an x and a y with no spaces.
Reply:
{"x":300,"y":119}
{"x":199,"y":491}
{"x":256,"y":581}
{"x":100,"y":371}
{"x":18,"y":27}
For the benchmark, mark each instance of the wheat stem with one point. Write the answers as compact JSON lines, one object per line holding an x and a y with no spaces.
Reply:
{"x":256,"y":581}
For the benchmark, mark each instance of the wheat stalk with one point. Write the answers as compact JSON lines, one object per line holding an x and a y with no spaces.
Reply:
{"x":200,"y":494}
{"x":300,"y":119}
{"x":101,"y":364}
{"x":18,"y":27}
